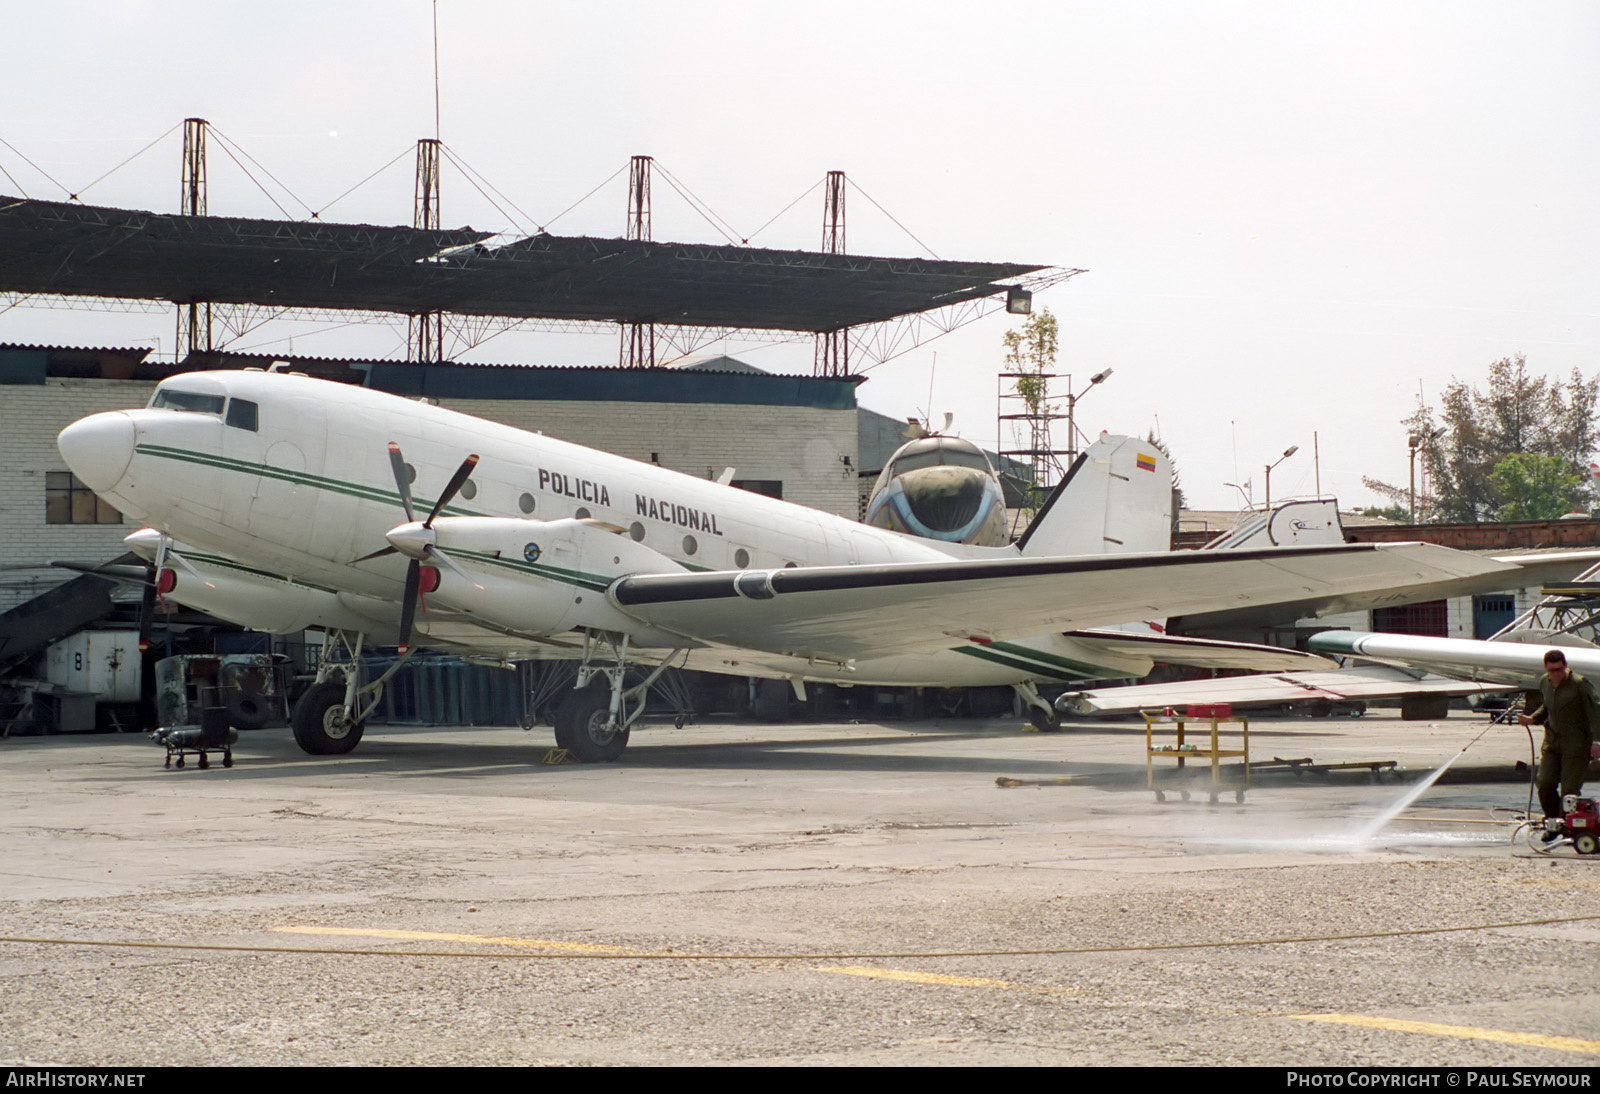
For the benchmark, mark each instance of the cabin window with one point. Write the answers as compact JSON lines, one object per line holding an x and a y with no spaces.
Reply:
{"x":469,"y":489}
{"x":526,"y":503}
{"x":195,"y":402}
{"x":741,"y":558}
{"x":243,"y":414}
{"x":68,"y":501}
{"x":636,"y":530}
{"x":689,"y":545}
{"x":582,"y":513}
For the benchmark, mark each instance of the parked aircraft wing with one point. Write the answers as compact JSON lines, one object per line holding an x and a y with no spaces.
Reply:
{"x":842,"y":613}
{"x":1531,"y":568}
{"x":1205,"y":653}
{"x":1368,"y":682}
{"x":1511,"y":661}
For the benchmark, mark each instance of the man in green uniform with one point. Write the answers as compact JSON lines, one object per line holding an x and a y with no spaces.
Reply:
{"x":1570,"y":715}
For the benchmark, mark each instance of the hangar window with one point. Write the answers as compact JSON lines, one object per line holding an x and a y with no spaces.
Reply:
{"x":68,"y":501}
{"x":772,"y":488}
{"x":195,"y":402}
{"x":243,"y":414}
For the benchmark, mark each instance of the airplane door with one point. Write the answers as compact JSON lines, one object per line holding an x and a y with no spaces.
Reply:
{"x":283,"y":507}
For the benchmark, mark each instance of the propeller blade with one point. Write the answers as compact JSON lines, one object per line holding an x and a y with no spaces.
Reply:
{"x":408,"y":606}
{"x":374,"y":554}
{"x":436,"y":555}
{"x":147,"y":612}
{"x":122,"y":575}
{"x":402,"y":478}
{"x":457,"y":481}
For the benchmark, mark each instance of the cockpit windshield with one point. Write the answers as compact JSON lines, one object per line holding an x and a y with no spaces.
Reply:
{"x":939,"y":451}
{"x":195,"y":402}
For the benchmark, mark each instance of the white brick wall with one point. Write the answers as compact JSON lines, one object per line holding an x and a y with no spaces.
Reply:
{"x":800,"y":446}
{"x":30,"y":418}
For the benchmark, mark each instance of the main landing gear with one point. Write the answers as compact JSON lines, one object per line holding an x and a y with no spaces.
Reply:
{"x":594,"y":719}
{"x":1040,"y":711}
{"x":330,"y":717}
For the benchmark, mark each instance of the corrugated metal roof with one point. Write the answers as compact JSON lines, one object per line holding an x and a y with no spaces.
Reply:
{"x":72,"y":249}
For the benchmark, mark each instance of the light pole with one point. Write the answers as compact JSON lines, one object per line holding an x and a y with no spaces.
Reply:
{"x":1414,"y":442}
{"x":1287,"y":452}
{"x":1072,"y":404}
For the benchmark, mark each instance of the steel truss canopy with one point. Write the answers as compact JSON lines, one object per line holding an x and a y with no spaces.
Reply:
{"x":69,"y":249}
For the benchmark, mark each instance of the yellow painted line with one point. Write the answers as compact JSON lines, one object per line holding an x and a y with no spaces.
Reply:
{"x":591,"y":947}
{"x":435,"y":936}
{"x":1503,"y":1036}
{"x":923,"y":977}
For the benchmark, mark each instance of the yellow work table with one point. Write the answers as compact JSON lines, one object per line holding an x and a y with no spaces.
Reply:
{"x":1181,"y":750}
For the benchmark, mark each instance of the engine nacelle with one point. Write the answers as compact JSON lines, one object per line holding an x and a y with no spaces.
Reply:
{"x":250,"y":598}
{"x":544,"y":577}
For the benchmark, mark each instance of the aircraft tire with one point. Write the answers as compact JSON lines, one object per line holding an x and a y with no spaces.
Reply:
{"x":319,"y":724}
{"x":248,"y":710}
{"x":1043,"y":722}
{"x":580,"y":718}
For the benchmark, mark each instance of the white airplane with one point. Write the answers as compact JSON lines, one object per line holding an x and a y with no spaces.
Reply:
{"x":282,"y":503}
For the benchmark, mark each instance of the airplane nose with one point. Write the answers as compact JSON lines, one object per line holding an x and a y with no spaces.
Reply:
{"x":98,"y":449}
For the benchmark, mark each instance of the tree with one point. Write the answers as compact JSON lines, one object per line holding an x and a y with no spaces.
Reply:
{"x":1030,"y":359}
{"x":1534,"y":487}
{"x":1031,"y":354}
{"x":1518,"y":414}
{"x":1178,"y":499}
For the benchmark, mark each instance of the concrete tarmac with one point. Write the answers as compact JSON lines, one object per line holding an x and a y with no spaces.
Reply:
{"x":959,"y":892}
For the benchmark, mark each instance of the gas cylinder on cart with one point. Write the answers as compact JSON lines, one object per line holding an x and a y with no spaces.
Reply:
{"x":1581,"y":823}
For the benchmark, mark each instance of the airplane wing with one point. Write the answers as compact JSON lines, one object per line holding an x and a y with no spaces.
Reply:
{"x":1529,"y":568}
{"x":1205,"y":653}
{"x":1369,"y":682}
{"x":841,"y":613}
{"x":1517,"y":661}
{"x":1408,"y":665}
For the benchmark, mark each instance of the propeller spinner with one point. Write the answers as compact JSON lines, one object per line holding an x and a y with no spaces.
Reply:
{"x":416,"y":540}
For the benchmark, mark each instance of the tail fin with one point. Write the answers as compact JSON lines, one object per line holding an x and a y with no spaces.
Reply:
{"x":1116,"y":499}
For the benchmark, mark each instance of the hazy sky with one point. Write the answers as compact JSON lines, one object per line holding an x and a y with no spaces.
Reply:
{"x":1294,"y":216}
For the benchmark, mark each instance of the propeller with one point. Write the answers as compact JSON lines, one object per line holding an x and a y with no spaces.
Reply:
{"x":129,"y":570}
{"x":416,"y":541}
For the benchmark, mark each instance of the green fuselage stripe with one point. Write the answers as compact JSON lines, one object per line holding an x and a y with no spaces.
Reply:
{"x":1085,"y":669}
{"x":229,"y":564}
{"x":298,"y":478}
{"x":987,"y":653}
{"x":577,"y":578}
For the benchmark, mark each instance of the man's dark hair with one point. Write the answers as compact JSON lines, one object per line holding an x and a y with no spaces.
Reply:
{"x":1555,"y":657}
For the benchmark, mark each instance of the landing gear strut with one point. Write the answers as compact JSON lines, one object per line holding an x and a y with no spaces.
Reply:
{"x":1040,"y":712}
{"x":330,"y":717}
{"x":594,"y":719}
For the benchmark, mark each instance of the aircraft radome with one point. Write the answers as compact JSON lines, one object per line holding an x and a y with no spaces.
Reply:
{"x":280,"y":502}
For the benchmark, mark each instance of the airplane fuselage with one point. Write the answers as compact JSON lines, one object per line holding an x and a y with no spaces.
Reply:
{"x":272,"y":483}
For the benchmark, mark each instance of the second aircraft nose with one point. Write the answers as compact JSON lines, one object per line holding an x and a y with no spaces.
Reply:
{"x":98,"y":449}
